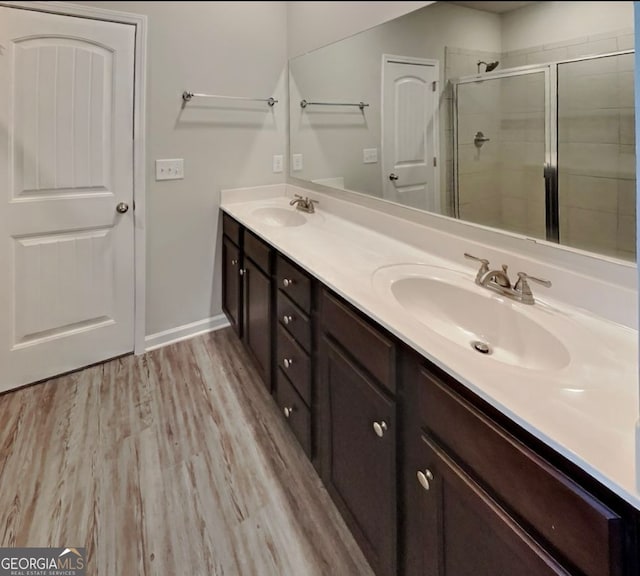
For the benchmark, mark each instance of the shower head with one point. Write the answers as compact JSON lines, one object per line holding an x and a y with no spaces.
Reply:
{"x":489,"y":66}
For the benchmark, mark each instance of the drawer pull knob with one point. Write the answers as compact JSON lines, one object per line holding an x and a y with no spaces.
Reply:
{"x":288,"y":362}
{"x":424,"y":478}
{"x":287,"y":319}
{"x":241,"y":272}
{"x":287,"y":282}
{"x":380,"y":428}
{"x":234,"y":262}
{"x":287,"y":411}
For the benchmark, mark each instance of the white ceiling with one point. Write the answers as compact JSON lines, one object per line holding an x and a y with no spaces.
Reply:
{"x":497,"y":7}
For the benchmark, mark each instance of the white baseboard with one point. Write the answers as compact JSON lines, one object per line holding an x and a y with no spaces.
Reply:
{"x":185,"y":332}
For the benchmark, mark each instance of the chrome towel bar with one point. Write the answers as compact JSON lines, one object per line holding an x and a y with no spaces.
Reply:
{"x":361,"y":105}
{"x":187,"y":96}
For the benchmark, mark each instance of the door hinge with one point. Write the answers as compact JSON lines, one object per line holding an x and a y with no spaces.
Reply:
{"x":433,"y":85}
{"x":435,"y":161}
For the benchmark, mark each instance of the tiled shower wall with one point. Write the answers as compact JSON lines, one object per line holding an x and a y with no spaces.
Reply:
{"x":502,"y":183}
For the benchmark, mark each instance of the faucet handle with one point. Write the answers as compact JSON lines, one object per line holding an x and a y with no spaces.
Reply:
{"x":522,"y":286}
{"x":523,"y":276}
{"x":484,"y":268}
{"x":484,"y":261}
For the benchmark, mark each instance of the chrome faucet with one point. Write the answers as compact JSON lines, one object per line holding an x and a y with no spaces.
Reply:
{"x":305,"y":204}
{"x":498,"y":281}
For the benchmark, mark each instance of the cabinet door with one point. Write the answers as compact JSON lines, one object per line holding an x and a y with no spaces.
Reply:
{"x":361,"y":462}
{"x":463,"y":532}
{"x":257,"y":318}
{"x":231,"y":284}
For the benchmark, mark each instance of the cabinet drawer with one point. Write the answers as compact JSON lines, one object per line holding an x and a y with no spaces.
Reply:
{"x":295,"y":411}
{"x":294,"y":321}
{"x":578,"y":526}
{"x":366,"y":344}
{"x":231,"y":229}
{"x":295,"y":363}
{"x":295,"y":283}
{"x":258,"y":251}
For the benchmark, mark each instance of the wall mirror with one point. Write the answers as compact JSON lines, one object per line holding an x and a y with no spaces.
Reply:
{"x":514,"y":115}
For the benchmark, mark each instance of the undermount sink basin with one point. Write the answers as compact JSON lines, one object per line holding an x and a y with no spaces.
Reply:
{"x":279,"y":217}
{"x":450,"y":304}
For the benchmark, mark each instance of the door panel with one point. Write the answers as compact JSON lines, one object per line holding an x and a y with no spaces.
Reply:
{"x":362,"y":474}
{"x":464,"y":532}
{"x":66,"y":161}
{"x":257,"y":319}
{"x":63,"y":124}
{"x":231,"y":289}
{"x":409,"y":124}
{"x":62,"y":282}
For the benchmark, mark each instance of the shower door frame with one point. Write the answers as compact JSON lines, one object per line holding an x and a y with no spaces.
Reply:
{"x":550,"y":167}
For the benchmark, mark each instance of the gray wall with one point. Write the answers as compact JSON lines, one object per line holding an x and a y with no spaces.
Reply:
{"x":314,"y":24}
{"x":235,"y":48}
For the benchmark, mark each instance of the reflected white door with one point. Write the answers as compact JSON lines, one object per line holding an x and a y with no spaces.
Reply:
{"x":409,"y":125}
{"x":66,"y":162}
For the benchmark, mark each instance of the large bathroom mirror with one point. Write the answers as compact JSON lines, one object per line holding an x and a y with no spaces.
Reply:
{"x":514,"y":115}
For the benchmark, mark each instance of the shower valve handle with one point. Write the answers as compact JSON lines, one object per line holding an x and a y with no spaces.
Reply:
{"x":479,"y":139}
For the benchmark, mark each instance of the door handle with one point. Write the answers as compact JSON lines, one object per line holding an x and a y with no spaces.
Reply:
{"x":392,"y":177}
{"x":122,"y":207}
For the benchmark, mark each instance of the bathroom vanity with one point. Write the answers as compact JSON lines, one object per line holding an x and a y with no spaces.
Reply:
{"x":442,"y":461}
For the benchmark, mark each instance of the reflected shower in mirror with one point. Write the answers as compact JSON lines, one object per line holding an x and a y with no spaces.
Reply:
{"x":513,"y":115}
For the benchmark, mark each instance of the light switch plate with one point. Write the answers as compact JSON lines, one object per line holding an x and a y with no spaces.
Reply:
{"x":278,"y":162}
{"x":297,"y":162}
{"x":170,"y":169}
{"x":369,"y":155}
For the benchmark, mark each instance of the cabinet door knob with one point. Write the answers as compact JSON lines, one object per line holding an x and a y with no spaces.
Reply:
{"x":234,"y":262}
{"x":287,"y":319}
{"x":287,"y":282}
{"x":380,"y":428}
{"x":288,"y":362}
{"x":288,"y":410}
{"x":241,"y":272}
{"x":424,"y":478}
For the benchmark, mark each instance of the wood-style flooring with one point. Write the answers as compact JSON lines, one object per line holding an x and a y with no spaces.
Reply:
{"x":173,"y":463}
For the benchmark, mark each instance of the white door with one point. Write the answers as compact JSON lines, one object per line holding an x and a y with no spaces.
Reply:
{"x":66,"y":161}
{"x":409,"y":128}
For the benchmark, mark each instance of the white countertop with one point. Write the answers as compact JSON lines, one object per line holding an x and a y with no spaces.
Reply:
{"x":586,"y":410}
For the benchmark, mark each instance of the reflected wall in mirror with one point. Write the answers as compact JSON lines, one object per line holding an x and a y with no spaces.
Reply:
{"x":514,"y":115}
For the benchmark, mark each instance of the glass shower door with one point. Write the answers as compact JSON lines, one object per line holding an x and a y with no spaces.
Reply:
{"x":503,"y":144}
{"x":596,"y":155}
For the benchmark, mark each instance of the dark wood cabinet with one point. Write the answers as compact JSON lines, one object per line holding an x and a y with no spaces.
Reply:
{"x":232,"y":284}
{"x":257,"y":318}
{"x":463,"y":531}
{"x":479,"y":501}
{"x":431,"y":479}
{"x":358,"y":426}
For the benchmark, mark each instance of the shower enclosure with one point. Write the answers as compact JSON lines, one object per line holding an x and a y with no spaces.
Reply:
{"x":548,"y":151}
